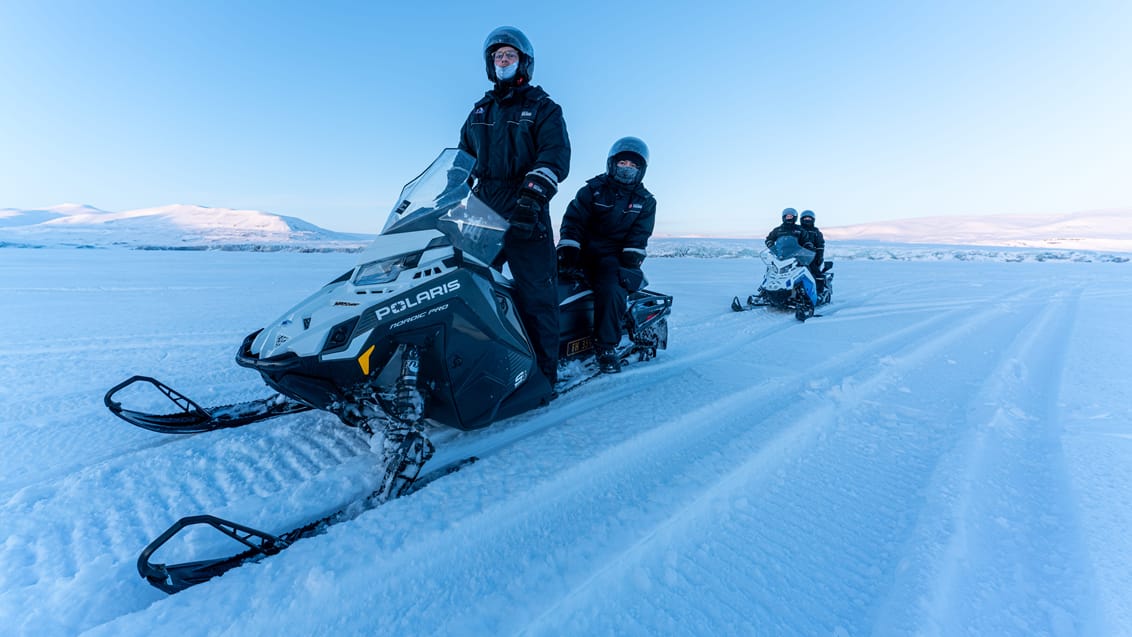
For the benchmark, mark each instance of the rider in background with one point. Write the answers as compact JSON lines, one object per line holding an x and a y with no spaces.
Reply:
{"x":812,"y":239}
{"x":604,"y":234}
{"x":789,"y":227}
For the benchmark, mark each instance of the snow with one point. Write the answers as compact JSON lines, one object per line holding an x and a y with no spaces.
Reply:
{"x":177,"y":226}
{"x":1090,"y":230}
{"x":947,"y":450}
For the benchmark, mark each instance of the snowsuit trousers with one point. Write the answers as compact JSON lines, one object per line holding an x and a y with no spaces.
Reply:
{"x":610,"y":297}
{"x":534,"y":270}
{"x":815,"y":269}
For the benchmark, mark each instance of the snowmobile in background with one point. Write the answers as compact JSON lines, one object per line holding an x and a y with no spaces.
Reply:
{"x":788,"y":283}
{"x":422,"y":332}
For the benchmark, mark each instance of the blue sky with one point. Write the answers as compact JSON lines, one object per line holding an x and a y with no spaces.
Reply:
{"x":861,"y":111}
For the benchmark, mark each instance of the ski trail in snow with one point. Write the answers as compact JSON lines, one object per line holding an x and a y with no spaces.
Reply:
{"x":865,"y":491}
{"x":1005,"y":507}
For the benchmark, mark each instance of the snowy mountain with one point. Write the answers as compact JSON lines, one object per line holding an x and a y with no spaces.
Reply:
{"x":947,"y":450}
{"x":1103,"y":230}
{"x":1074,"y":236}
{"x":168,"y":227}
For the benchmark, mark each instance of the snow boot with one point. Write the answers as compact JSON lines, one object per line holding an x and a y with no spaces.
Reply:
{"x":608,"y":361}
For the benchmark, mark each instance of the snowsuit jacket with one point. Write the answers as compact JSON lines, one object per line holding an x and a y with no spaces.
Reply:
{"x":782,"y":231}
{"x":607,"y":218}
{"x":512,"y":131}
{"x":812,"y":236}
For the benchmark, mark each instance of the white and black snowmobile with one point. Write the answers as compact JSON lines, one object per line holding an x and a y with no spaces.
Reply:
{"x":421,"y":333}
{"x":788,"y":283}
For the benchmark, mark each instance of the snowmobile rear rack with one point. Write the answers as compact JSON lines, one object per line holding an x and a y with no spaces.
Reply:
{"x":192,"y":418}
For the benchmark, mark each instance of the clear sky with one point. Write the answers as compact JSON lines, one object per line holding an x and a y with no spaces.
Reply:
{"x":861,"y":111}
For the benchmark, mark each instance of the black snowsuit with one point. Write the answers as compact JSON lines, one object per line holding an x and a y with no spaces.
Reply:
{"x":811,"y":236}
{"x":787,"y":228}
{"x":511,"y":131}
{"x":610,"y":223}
{"x":813,"y":239}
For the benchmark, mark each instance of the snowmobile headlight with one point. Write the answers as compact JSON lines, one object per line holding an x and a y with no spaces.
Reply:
{"x":386,"y":270}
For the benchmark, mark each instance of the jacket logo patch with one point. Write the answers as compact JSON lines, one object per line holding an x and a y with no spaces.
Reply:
{"x":527,"y":114}
{"x":479,"y":111}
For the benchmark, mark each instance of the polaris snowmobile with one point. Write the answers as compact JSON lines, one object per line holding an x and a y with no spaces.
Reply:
{"x":422,"y":332}
{"x":788,"y":283}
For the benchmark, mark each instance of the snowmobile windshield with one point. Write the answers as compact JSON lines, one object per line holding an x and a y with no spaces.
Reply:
{"x":786,"y":247}
{"x":475,"y":229}
{"x":441,"y":187}
{"x":440,"y":199}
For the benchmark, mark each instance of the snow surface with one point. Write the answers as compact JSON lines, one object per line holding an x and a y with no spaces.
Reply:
{"x":946,"y":451}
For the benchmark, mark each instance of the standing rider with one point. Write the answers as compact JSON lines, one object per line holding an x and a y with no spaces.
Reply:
{"x":518,"y":136}
{"x":604,"y":233}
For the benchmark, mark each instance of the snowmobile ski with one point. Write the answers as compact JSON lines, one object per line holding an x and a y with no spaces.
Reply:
{"x":753,"y":301}
{"x":191,"y":417}
{"x":173,"y":578}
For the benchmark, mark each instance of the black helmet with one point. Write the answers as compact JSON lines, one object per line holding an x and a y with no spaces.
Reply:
{"x":789,"y":212}
{"x":512,"y":37}
{"x":628,"y":148}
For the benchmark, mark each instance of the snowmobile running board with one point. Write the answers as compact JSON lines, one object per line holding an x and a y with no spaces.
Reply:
{"x":192,"y":418}
{"x":173,"y":578}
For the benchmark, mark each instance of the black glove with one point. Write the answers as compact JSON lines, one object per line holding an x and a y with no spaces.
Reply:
{"x":809,"y":246}
{"x":525,"y":219}
{"x":568,"y":258}
{"x":538,"y":187}
{"x":631,"y":259}
{"x":539,"y":184}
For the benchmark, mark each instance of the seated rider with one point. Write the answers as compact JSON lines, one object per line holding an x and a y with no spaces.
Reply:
{"x":789,"y":227}
{"x":604,"y":234}
{"x":813,"y":239}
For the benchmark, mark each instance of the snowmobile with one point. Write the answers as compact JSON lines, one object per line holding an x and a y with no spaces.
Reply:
{"x":422,"y":332}
{"x":788,"y":283}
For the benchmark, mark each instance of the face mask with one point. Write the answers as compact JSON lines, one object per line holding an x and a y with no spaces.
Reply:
{"x":505,"y":73}
{"x":626,"y":174}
